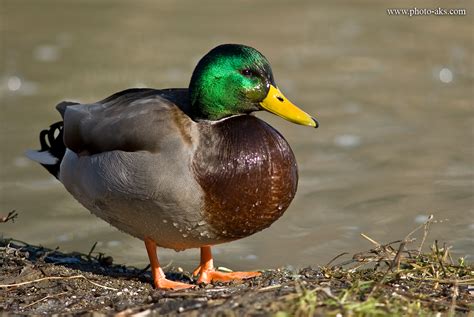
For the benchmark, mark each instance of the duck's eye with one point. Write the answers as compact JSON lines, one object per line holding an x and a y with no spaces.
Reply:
{"x":247,"y":72}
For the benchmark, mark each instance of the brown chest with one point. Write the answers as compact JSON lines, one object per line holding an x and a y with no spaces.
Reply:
{"x":248,"y":174}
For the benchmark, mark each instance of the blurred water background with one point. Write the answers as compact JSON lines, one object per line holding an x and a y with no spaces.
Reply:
{"x":394,"y":96}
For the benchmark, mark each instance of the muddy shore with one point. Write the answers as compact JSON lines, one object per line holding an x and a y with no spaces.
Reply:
{"x":389,"y":278}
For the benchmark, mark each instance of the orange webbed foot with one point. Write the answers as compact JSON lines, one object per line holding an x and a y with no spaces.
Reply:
{"x":207,"y":273}
{"x":159,"y":279}
{"x":211,"y":275}
{"x":164,"y":283}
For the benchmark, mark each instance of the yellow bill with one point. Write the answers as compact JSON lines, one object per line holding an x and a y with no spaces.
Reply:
{"x":277,"y":104}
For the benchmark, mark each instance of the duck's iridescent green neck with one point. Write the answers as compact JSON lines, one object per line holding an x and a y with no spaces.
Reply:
{"x":221,"y":87}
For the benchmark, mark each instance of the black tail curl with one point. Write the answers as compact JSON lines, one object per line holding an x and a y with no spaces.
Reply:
{"x":51,"y":141}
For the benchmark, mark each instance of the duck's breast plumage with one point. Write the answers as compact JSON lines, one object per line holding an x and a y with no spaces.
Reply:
{"x":248,"y":174}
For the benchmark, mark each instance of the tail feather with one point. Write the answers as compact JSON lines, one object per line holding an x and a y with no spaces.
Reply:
{"x":42,"y":157}
{"x":52,"y":149}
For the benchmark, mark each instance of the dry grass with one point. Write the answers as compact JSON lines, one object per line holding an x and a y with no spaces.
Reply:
{"x":393,"y":278}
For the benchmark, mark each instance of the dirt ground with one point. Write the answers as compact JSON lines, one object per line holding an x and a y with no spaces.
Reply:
{"x":36,"y":280}
{"x":76,"y":283}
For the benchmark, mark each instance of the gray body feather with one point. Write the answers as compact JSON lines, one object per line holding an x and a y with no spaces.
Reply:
{"x":127,"y":163}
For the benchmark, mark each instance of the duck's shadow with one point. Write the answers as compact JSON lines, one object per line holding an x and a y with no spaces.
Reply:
{"x":96,"y":263}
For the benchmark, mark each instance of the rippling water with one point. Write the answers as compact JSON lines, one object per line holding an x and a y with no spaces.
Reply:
{"x":393,"y":96}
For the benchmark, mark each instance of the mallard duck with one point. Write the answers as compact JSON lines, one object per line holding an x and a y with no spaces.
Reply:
{"x":182,"y":168}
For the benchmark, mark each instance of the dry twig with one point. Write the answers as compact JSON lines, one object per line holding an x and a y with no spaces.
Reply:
{"x":12,"y":215}
{"x":57,"y":278}
{"x":44,"y":298}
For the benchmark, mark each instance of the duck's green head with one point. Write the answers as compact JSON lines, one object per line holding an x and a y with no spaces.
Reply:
{"x":236,"y":79}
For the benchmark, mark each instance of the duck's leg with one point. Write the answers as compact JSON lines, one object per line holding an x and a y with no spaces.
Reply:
{"x":159,"y":278}
{"x":207,"y":273}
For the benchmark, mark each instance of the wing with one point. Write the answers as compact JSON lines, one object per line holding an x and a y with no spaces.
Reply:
{"x":131,"y":120}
